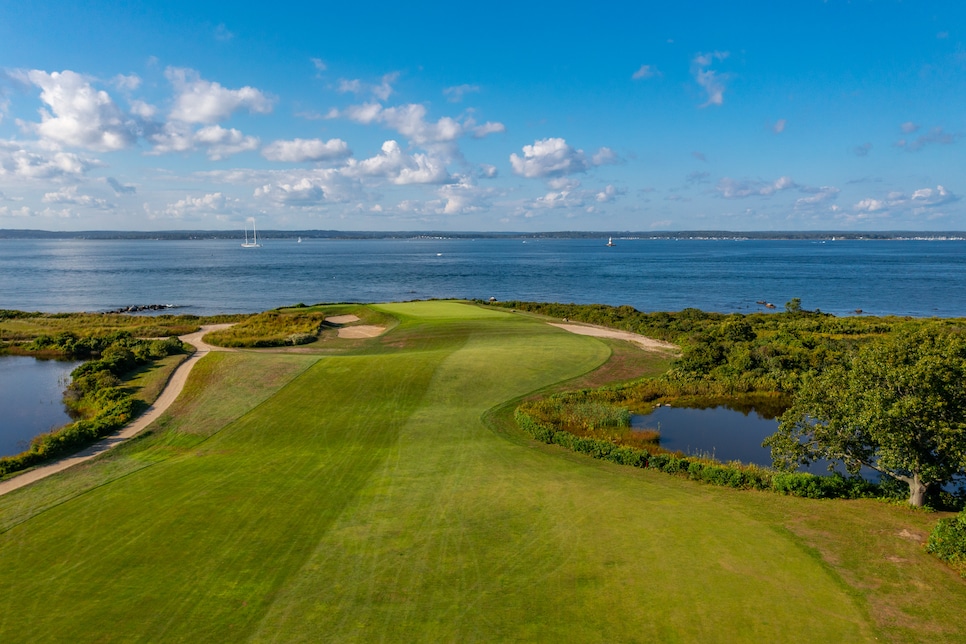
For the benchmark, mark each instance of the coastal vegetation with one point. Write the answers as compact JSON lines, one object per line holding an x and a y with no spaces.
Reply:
{"x":276,"y":328}
{"x":884,"y":393}
{"x":79,"y":335}
{"x":129,"y":358}
{"x":381,"y":489}
{"x":97,"y":396}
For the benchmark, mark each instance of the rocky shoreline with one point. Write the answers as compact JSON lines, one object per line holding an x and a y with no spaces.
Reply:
{"x":140,"y":308}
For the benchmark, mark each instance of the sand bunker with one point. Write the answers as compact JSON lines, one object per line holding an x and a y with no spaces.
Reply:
{"x":361,"y":331}
{"x":357,"y":331}
{"x":342,"y":319}
{"x":649,"y":344}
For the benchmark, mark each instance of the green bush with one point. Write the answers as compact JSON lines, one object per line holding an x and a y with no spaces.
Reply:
{"x":948,"y":542}
{"x":811,"y":486}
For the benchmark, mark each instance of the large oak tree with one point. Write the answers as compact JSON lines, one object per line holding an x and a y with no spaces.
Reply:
{"x":897,"y":406}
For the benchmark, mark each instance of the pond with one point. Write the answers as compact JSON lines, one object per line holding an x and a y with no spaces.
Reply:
{"x":719,"y":432}
{"x":31,"y":399}
{"x":728,"y":435}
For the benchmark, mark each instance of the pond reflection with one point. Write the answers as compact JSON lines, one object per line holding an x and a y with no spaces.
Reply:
{"x":31,"y":399}
{"x":718,"y":432}
{"x":724,"y":434}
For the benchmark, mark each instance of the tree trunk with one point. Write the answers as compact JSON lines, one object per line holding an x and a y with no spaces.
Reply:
{"x":917,"y":491}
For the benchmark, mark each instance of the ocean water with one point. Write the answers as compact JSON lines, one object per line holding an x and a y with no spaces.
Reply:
{"x":918,"y":278}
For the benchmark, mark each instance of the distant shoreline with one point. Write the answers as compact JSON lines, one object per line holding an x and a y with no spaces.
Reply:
{"x":173,"y":235}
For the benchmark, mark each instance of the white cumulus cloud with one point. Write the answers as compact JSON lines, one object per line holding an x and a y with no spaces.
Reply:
{"x":303,"y":191}
{"x":69,"y":195}
{"x":553,"y":157}
{"x":79,"y":115}
{"x":919,"y":201}
{"x":398,"y":167}
{"x":301,"y":150}
{"x":202,"y":101}
{"x":214,"y":203}
{"x":219,"y":142}
{"x":216,"y":141}
{"x":18,"y":162}
{"x":870,"y":205}
{"x":463,"y":197}
{"x":410,"y":121}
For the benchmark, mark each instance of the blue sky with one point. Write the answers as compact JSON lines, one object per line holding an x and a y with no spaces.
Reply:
{"x":802,"y":115}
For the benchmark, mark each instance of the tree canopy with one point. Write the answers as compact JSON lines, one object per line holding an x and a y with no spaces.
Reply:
{"x":898,"y":406}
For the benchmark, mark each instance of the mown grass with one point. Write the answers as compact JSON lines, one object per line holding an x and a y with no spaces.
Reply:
{"x":147,"y":382}
{"x":361,"y":497}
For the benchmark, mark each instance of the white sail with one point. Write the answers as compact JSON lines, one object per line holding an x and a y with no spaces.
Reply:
{"x":254,"y":242}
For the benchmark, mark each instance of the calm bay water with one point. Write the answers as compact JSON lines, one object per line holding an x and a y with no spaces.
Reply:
{"x":31,"y":399}
{"x":920,"y":278}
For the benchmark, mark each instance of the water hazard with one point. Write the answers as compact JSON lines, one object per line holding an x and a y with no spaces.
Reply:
{"x":723,"y":434}
{"x":31,"y":399}
{"x":726,"y":435}
{"x":719,"y":432}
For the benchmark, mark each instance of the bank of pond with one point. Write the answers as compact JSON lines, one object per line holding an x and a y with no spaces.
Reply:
{"x":715,"y":443}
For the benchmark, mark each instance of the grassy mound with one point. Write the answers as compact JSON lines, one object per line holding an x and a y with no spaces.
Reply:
{"x":360,"y":497}
{"x":284,"y":327}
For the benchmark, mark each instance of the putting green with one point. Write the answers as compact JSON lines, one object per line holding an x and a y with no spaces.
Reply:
{"x":361,"y":498}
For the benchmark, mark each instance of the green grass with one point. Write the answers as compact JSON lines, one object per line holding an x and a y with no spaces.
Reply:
{"x":361,"y":497}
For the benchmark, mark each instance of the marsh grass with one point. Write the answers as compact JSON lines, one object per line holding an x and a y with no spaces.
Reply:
{"x":19,"y":326}
{"x":271,"y":329}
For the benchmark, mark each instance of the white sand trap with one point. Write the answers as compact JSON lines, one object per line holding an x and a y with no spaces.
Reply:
{"x":649,"y":344}
{"x":361,"y":331}
{"x":342,"y":319}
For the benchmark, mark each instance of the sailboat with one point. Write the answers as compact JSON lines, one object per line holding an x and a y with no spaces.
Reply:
{"x":254,"y":242}
{"x":610,"y":241}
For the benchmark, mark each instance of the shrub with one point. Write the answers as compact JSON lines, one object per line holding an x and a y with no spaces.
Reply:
{"x":811,"y":486}
{"x":948,"y":542}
